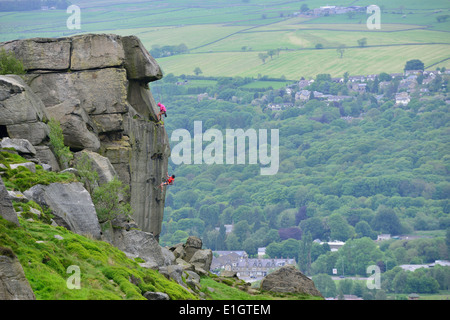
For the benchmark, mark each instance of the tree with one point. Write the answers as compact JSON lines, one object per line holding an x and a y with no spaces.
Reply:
{"x":61,"y":151}
{"x":363,"y":229}
{"x":414,"y":64}
{"x":86,"y":174}
{"x":442,"y":18}
{"x":341,"y":50}
{"x":108,"y":202}
{"x":290,"y":233}
{"x":9,"y":64}
{"x":384,"y":77}
{"x":304,"y":8}
{"x":319,"y":46}
{"x":263,"y":57}
{"x":357,"y":254}
{"x":386,"y":221}
{"x":339,"y":228}
{"x":300,"y":215}
{"x":198,"y":71}
{"x":314,"y":226}
{"x":271,"y":53}
{"x":325,"y":284}
{"x":362,"y":42}
{"x":304,"y":254}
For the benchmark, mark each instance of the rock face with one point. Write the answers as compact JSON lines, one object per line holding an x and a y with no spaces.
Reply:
{"x":13,"y":284}
{"x":96,"y":86}
{"x":6,"y":208}
{"x":71,"y":205}
{"x":22,"y":112}
{"x":289,"y":279}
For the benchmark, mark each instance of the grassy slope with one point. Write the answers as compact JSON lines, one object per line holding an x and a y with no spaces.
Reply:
{"x":105,"y":270}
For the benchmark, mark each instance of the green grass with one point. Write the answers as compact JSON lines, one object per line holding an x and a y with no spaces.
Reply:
{"x":21,"y":178}
{"x":228,"y":289}
{"x":307,"y":63}
{"x":105,"y":271}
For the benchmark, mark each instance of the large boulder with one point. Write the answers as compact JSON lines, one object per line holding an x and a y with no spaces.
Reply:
{"x":6,"y":208}
{"x":139,"y":63}
{"x":22,"y":112}
{"x":192,"y":245}
{"x":191,"y":256}
{"x":41,"y":53}
{"x":22,"y":146}
{"x":13,"y":283}
{"x":94,"y":51}
{"x":137,"y":244}
{"x":46,"y":157}
{"x":71,"y":205}
{"x":201,"y":260}
{"x":77,"y":127}
{"x":291,"y":280}
{"x":99,"y":91}
{"x":99,"y":163}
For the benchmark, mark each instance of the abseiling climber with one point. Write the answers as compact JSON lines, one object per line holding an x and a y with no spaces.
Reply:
{"x":162,"y":111}
{"x":169,"y":181}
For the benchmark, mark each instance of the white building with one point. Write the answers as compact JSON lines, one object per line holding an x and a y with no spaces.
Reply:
{"x":402,"y":98}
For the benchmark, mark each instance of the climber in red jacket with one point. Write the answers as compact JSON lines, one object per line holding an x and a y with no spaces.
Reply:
{"x":169,"y":181}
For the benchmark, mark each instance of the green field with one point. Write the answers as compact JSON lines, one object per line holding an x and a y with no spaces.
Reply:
{"x":225,"y":38}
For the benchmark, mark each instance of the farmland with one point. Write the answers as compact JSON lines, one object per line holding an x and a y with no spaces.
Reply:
{"x":227,"y":38}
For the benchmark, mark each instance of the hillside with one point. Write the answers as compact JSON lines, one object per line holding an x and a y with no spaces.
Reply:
{"x":345,"y":145}
{"x":80,"y":169}
{"x":350,"y":169}
{"x":47,"y":255}
{"x":226,"y":38}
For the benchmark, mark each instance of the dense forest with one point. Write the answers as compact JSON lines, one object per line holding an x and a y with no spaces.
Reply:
{"x":349,"y":170}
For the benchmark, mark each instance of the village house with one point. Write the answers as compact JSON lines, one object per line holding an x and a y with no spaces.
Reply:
{"x":228,"y":228}
{"x":304,"y":83}
{"x":396,"y":75}
{"x":357,"y":79}
{"x":248,"y":269}
{"x":261,"y":252}
{"x":413,"y":267}
{"x":302,"y":95}
{"x":331,"y":10}
{"x":335,"y":245}
{"x":332,"y":98}
{"x":359,"y":87}
{"x":202,"y":96}
{"x":383,"y":85}
{"x":413,"y":72}
{"x":318,"y":95}
{"x":274,"y":107}
{"x":382,"y":237}
{"x":402,"y":98}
